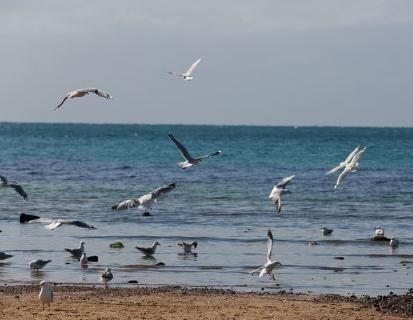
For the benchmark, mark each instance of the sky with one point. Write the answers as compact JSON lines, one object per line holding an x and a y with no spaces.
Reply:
{"x":301,"y":63}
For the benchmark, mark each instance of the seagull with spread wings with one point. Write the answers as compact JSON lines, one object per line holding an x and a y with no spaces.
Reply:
{"x":350,"y":167}
{"x":81,"y":93}
{"x":53,"y":223}
{"x":345,"y":162}
{"x":146,"y":201}
{"x":269,"y":265}
{"x":187,"y":74}
{"x":18,"y":188}
{"x":279,"y":188}
{"x":189,"y":160}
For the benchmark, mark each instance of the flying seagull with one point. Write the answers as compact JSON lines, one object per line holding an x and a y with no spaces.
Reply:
{"x":279,"y":188}
{"x":269,"y":265}
{"x":350,"y":167}
{"x":4,"y":256}
{"x":187,"y":74}
{"x":187,"y":246}
{"x":345,"y":162}
{"x":189,"y":161}
{"x":146,"y":201}
{"x":82,"y":93}
{"x":150,"y":250}
{"x":46,"y":293}
{"x":4,"y":183}
{"x":38,"y":264}
{"x":53,"y":223}
{"x":77,"y":252}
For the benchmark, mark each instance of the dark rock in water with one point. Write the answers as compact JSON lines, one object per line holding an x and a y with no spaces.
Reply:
{"x":146,"y":214}
{"x":380,"y":238}
{"x":313,"y":243}
{"x":93,"y":259}
{"x":132,"y":281}
{"x":24,"y":218}
{"x":339,"y":258}
{"x":117,"y":245}
{"x":159,"y":264}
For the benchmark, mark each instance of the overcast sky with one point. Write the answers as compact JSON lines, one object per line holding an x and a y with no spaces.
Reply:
{"x":330,"y":62}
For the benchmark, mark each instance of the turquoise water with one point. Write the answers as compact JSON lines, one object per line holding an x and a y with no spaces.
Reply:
{"x":79,"y":171}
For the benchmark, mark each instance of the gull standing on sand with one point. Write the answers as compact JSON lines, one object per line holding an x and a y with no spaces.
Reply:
{"x":189,"y":161}
{"x":150,"y":250}
{"x":146,"y":201}
{"x":269,"y":265}
{"x":350,"y":167}
{"x":46,"y":293}
{"x":83,"y":260}
{"x":345,"y":162}
{"x":326,"y":231}
{"x":4,"y":256}
{"x":10,"y":184}
{"x":106,"y":276}
{"x":279,"y":188}
{"x":77,"y":252}
{"x":83,"y":92}
{"x":186,"y":75}
{"x":188,"y":246}
{"x":38,"y":264}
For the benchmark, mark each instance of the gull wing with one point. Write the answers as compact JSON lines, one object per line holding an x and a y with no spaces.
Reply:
{"x":270,"y":241}
{"x":124,"y":205}
{"x":283,"y":183}
{"x":335,"y":169}
{"x":357,"y":157}
{"x":257,"y":270}
{"x":162,"y":190}
{"x":174,"y":73}
{"x":18,"y":188}
{"x":351,"y":155}
{"x":341,"y":177}
{"x":192,"y":67}
{"x":61,"y":103}
{"x":54,"y":224}
{"x":80,"y":224}
{"x":181,"y":148}
{"x":3,"y":180}
{"x":216,"y":153}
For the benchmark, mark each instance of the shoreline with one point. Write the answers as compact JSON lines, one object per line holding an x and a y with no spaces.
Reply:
{"x":174,"y":302}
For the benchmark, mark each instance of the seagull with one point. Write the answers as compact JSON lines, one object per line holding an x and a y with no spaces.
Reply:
{"x":187,"y":246}
{"x":189,"y":161}
{"x":269,"y":265}
{"x":379,"y":234}
{"x":83,"y":260}
{"x":77,"y":252}
{"x":149,"y":251}
{"x":46,"y":293}
{"x":146,"y":201}
{"x":53,"y":223}
{"x":279,"y":188}
{"x":4,"y":256}
{"x":83,"y":92}
{"x":106,"y":276}
{"x":326,"y":231}
{"x":350,"y":167}
{"x":394,"y":242}
{"x":345,"y":162}
{"x":186,"y":75}
{"x":4,"y":183}
{"x":38,"y":264}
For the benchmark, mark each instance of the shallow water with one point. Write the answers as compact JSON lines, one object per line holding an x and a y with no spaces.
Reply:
{"x":79,"y":171}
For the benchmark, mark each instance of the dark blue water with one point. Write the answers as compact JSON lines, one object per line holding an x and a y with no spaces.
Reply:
{"x":79,"y":171}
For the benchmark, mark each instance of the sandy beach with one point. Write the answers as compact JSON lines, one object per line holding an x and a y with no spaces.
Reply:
{"x":21,"y":302}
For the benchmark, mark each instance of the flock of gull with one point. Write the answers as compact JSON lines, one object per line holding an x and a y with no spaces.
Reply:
{"x":145,"y":202}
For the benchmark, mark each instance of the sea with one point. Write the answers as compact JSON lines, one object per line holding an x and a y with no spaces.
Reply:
{"x":78,"y":171}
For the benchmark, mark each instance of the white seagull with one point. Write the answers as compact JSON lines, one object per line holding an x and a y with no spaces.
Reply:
{"x":53,"y":223}
{"x":394,"y":242}
{"x":379,"y":231}
{"x":350,"y":167}
{"x":83,"y":92}
{"x":77,"y":252}
{"x":186,"y":75}
{"x":146,"y":201}
{"x":345,"y":162}
{"x":189,"y":161}
{"x":150,"y":250}
{"x":38,"y":264}
{"x":187,"y":246}
{"x":269,"y":265}
{"x":46,"y":293}
{"x":279,"y":188}
{"x":83,"y":260}
{"x":4,"y":183}
{"x":106,"y":276}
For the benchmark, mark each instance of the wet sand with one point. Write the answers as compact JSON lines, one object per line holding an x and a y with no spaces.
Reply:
{"x":21,"y":302}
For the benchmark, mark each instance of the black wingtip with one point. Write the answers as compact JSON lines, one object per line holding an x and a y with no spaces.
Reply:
{"x":93,"y":259}
{"x":270,"y":234}
{"x":24,"y":218}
